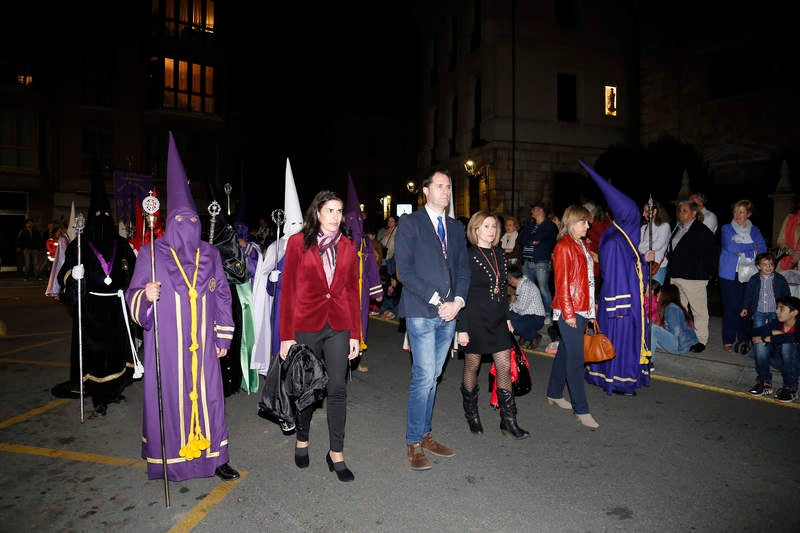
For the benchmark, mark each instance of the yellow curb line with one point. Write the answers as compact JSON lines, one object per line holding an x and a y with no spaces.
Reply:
{"x":38,"y":345}
{"x":30,"y":362}
{"x":199,"y":511}
{"x":33,"y":412}
{"x":20,"y":335}
{"x":189,"y":520}
{"x":702,"y":386}
{"x":74,"y":456}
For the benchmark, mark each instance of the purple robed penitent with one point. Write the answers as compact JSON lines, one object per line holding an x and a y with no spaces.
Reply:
{"x":620,"y":313}
{"x":214,"y":327}
{"x":369,"y":278}
{"x":183,"y":320}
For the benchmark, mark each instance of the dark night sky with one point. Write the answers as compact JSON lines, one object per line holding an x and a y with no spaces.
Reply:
{"x":312,"y":64}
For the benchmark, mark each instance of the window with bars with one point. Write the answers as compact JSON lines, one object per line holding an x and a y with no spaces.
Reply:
{"x":188,"y":86}
{"x":19,"y":132}
{"x":184,"y":17}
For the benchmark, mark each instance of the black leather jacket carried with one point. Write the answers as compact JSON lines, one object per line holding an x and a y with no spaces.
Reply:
{"x":300,"y":379}
{"x":306,"y":377}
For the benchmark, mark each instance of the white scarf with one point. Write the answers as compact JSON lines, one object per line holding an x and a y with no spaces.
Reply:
{"x":508,"y":240}
{"x":742,"y":235}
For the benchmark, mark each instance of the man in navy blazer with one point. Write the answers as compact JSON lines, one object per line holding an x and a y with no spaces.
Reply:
{"x":432,"y":264}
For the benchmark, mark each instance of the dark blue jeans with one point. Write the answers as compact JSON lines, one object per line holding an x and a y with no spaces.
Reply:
{"x":539,"y":273}
{"x":526,"y":326}
{"x":568,"y":366}
{"x":784,"y":357}
{"x":734,"y":327}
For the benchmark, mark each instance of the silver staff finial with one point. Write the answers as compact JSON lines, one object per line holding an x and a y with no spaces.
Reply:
{"x":213,"y":210}
{"x":278,"y":217}
{"x":228,"y":188}
{"x":150,"y":204}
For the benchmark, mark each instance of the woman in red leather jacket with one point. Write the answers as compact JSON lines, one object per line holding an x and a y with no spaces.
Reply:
{"x":573,"y":306}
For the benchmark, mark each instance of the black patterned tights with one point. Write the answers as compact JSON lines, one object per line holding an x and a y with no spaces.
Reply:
{"x":502,"y":363}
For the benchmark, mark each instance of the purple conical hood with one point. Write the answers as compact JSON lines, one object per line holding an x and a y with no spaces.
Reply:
{"x":625,"y":211}
{"x":183,"y":224}
{"x":352,"y":211}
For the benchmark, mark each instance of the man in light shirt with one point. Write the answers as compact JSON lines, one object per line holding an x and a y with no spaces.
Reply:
{"x":709,"y":218}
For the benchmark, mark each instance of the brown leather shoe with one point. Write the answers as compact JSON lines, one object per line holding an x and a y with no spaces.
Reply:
{"x":436,"y":448}
{"x":416,"y":456}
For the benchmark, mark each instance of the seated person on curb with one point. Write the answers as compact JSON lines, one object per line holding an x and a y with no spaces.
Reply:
{"x":776,"y":343}
{"x":673,"y":330}
{"x":526,"y":311}
{"x":763,"y":292}
{"x":392,"y":289}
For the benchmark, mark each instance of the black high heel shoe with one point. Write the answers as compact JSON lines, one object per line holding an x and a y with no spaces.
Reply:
{"x":301,"y":457}
{"x":342,"y":472}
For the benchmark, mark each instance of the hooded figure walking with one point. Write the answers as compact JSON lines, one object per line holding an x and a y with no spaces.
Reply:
{"x":107,"y":261}
{"x":195,"y":328}
{"x":621,"y":313}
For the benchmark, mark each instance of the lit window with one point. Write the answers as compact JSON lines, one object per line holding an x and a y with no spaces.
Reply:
{"x":189,"y":87}
{"x":610,"y":101}
{"x":181,"y":16}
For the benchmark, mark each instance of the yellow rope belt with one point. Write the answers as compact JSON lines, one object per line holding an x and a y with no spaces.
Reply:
{"x":644,"y":351}
{"x":196,"y":441}
{"x":362,"y":344}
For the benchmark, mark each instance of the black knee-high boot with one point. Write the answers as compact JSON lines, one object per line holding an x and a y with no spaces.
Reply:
{"x":471,"y":409}
{"x":508,"y":415}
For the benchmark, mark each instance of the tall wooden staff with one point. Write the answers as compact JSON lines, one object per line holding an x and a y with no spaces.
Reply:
{"x":150,"y":206}
{"x":78,"y":273}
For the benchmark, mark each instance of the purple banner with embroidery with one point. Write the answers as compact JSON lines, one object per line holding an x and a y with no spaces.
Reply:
{"x":130,"y":189}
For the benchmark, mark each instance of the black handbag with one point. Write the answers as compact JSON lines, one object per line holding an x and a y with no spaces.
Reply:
{"x":521,"y":378}
{"x":519,"y":361}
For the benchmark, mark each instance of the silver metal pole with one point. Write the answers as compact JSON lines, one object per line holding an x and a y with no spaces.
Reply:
{"x":79,"y":225}
{"x":150,"y":206}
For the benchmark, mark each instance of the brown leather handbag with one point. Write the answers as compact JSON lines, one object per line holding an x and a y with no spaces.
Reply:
{"x":596,"y":346}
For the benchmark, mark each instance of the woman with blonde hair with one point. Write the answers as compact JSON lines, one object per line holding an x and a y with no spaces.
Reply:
{"x":483,"y":326}
{"x":509,"y":244}
{"x":573,"y":306}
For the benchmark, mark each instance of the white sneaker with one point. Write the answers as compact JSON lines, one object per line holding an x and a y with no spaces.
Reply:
{"x":552,"y":347}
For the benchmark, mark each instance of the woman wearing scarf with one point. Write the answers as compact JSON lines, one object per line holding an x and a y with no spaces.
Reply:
{"x":740,"y":239}
{"x":320,"y":308}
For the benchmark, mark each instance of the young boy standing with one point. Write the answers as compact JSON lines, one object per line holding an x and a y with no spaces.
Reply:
{"x":763,"y":291}
{"x":776,"y":343}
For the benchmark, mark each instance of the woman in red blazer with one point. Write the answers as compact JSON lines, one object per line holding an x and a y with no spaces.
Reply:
{"x":320,"y":308}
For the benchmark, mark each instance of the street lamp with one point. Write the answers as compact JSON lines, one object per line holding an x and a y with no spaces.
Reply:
{"x":476,"y":172}
{"x":386,"y":202}
{"x":412,"y":187}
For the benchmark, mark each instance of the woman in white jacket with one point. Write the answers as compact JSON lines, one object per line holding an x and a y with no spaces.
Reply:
{"x":661,"y":233}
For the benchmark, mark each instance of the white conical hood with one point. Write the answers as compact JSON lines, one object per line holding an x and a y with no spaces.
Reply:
{"x":293,"y":222}
{"x":71,"y":224}
{"x":452,"y":211}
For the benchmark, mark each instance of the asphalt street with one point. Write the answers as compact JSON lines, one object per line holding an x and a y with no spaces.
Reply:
{"x":690,"y":452}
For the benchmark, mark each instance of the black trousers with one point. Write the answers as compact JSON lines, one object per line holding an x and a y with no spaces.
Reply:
{"x":332,"y":347}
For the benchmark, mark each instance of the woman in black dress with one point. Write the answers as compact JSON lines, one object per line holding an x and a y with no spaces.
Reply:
{"x":483,"y":327}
